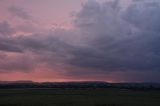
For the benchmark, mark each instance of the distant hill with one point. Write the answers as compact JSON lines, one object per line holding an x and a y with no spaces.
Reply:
{"x":83,"y":84}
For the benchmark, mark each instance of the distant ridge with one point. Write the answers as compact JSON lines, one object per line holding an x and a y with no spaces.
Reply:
{"x":75,"y":84}
{"x":32,"y":82}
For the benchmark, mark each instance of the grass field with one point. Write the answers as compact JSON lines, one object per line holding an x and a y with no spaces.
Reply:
{"x":78,"y":97}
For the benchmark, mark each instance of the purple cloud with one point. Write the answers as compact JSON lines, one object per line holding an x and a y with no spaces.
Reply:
{"x":20,"y":12}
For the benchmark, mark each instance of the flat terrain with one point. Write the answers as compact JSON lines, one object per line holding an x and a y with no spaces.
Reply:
{"x":78,"y":97}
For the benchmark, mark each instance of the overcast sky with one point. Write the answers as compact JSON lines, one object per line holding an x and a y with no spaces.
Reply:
{"x":80,"y":40}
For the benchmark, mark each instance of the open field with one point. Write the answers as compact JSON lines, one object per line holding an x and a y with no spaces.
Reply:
{"x":78,"y":97}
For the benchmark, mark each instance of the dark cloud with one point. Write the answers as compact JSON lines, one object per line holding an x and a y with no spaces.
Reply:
{"x":47,"y":49}
{"x":20,"y":12}
{"x":119,"y":40}
{"x":7,"y":41}
{"x":6,"y":29}
{"x":9,"y":45}
{"x":138,"y":14}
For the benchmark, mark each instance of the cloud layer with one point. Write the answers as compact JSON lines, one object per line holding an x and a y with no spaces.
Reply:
{"x":107,"y":39}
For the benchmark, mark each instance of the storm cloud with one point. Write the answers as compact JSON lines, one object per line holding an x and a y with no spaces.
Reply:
{"x":121,"y":40}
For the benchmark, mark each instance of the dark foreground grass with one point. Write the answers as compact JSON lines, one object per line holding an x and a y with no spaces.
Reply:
{"x":78,"y":97}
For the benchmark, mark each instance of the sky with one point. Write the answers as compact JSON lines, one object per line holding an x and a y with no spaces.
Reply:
{"x":80,"y":40}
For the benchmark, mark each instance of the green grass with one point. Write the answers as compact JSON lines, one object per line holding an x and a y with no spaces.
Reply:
{"x":78,"y":97}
